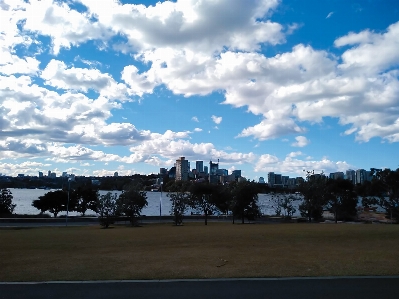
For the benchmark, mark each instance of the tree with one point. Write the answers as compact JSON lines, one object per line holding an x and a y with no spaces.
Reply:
{"x":107,"y":209}
{"x":201,"y":199}
{"x":342,"y":200}
{"x":283,"y":204}
{"x":389,"y":199}
{"x":314,"y":194}
{"x":53,"y":201}
{"x":244,"y":203}
{"x":6,"y":205}
{"x":180,"y":203}
{"x":83,"y":199}
{"x":132,"y":201}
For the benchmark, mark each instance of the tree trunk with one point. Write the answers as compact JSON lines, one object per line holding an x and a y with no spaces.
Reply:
{"x":242,"y":218}
{"x":233,"y":218}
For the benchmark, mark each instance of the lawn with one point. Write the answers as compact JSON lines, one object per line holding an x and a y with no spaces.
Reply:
{"x":162,"y":251}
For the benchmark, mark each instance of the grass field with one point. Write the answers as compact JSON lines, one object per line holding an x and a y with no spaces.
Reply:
{"x":162,"y":251}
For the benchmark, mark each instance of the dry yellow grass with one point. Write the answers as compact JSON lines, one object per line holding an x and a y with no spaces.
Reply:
{"x":160,"y":251}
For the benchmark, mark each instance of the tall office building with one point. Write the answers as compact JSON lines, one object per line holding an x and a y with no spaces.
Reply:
{"x":237,"y":173}
{"x":206,"y":169}
{"x":199,"y":165}
{"x":213,"y":167}
{"x":351,"y":176}
{"x":278,"y":179}
{"x":271,"y":179}
{"x":40,"y":174}
{"x":339,"y":175}
{"x":182,"y":169}
{"x":163,"y":171}
{"x":361,"y":175}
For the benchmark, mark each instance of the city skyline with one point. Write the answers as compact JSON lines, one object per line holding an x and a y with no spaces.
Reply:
{"x":262,"y":86}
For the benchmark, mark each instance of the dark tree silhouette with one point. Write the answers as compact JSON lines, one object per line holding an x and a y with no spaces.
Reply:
{"x":53,"y":202}
{"x":6,"y":205}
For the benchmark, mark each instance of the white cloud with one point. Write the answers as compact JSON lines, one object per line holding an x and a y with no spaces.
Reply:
{"x":194,"y":118}
{"x":28,"y":167}
{"x":62,"y":24}
{"x":277,"y":124}
{"x":329,"y":15}
{"x":291,"y":164}
{"x":301,"y":141}
{"x":171,"y":145}
{"x":294,"y":154}
{"x":217,"y":119}
{"x":206,"y":26}
{"x":58,"y":75}
{"x":197,"y":130}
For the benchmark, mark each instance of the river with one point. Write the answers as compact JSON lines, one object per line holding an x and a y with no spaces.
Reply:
{"x":23,"y":199}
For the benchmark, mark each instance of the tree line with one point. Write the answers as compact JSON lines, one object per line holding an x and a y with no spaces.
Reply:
{"x":238,"y":199}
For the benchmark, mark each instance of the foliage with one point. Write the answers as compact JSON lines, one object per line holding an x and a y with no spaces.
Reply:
{"x":107,"y":209}
{"x":174,"y":186}
{"x":283,"y":205}
{"x":83,"y":199}
{"x":314,"y":194}
{"x":202,"y":198}
{"x":132,"y":201}
{"x":244,"y":200}
{"x":390,"y":199}
{"x":6,"y":205}
{"x":180,"y":202}
{"x":53,"y":202}
{"x":342,"y":200}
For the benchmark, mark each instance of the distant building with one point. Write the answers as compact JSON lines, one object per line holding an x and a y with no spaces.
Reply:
{"x":271,"y":179}
{"x":40,"y":174}
{"x":116,"y":174}
{"x":284,"y":180}
{"x":49,"y":173}
{"x":339,"y":175}
{"x":351,"y":176}
{"x":291,"y":183}
{"x":222,"y":172}
{"x":213,"y":167}
{"x":163,"y":171}
{"x":64,"y":174}
{"x":21,"y":175}
{"x":361,"y":176}
{"x":261,"y":180}
{"x":199,"y":166}
{"x":278,"y":179}
{"x":206,"y":169}
{"x":213,"y":172}
{"x":182,"y":169}
{"x":227,"y":178}
{"x":172,"y":172}
{"x":53,"y":175}
{"x":237,"y":173}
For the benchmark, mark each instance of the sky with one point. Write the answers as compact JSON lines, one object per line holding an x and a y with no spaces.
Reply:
{"x":91,"y":87}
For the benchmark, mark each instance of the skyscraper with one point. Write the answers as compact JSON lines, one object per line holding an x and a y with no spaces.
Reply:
{"x":182,"y":168}
{"x":199,"y":165}
{"x":271,"y":179}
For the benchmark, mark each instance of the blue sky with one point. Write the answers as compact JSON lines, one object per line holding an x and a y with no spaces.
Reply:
{"x":92,"y":87}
